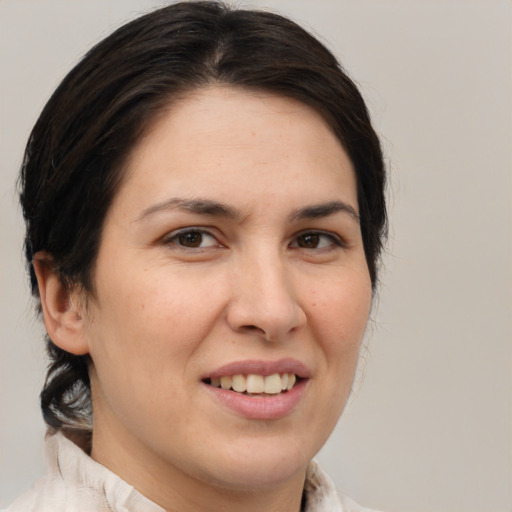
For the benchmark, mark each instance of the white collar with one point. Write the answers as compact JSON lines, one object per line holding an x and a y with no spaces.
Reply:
{"x":68,"y":462}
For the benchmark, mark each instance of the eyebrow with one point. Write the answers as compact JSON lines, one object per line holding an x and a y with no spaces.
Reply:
{"x":216,"y":209}
{"x":199,"y":206}
{"x":324,"y":210}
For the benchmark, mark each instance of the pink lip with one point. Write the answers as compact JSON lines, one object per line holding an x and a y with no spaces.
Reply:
{"x":270,"y":407}
{"x":260,"y":407}
{"x":260,"y":367}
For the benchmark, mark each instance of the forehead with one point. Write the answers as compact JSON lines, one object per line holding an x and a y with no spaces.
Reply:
{"x":227,"y":142}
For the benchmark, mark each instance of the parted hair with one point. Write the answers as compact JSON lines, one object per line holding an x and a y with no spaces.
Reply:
{"x":73,"y":162}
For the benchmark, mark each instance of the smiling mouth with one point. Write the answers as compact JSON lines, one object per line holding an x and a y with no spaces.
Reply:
{"x":254,"y":384}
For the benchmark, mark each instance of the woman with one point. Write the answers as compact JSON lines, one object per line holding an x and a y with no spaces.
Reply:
{"x":204,"y":204}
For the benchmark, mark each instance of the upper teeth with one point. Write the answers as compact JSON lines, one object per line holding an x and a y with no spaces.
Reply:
{"x":252,"y":383}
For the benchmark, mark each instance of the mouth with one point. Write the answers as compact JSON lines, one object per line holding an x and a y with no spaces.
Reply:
{"x":258,"y":389}
{"x":253,"y":384}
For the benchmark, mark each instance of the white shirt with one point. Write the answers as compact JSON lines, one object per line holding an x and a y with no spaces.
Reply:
{"x":76,"y":483}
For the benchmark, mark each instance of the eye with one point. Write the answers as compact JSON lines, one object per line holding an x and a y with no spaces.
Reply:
{"x":192,"y":239}
{"x":316,"y":240}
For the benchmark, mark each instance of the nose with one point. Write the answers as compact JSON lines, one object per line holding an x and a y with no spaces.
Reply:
{"x":264,"y":299}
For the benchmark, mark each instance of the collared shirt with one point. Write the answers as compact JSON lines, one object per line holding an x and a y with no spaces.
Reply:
{"x":76,"y":483}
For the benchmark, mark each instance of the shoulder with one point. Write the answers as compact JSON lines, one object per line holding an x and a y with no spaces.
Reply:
{"x":76,"y":483}
{"x":28,"y":501}
{"x":52,"y":495}
{"x":349,"y":505}
{"x":55,"y":492}
{"x":321,"y":494}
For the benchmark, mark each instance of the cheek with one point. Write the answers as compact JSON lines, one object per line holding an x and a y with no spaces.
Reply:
{"x":340,"y":310}
{"x":147,"y":320}
{"x":338,"y":317}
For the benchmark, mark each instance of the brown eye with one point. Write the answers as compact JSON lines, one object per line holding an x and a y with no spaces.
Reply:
{"x":308,"y":240}
{"x":190,"y":239}
{"x":317,"y":240}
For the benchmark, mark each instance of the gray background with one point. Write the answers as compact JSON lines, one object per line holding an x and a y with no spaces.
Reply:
{"x":429,"y":424}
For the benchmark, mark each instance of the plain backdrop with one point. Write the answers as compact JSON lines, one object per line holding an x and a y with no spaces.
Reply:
{"x":429,"y":425}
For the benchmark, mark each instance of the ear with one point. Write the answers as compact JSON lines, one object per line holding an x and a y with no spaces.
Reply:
{"x":62,"y":313}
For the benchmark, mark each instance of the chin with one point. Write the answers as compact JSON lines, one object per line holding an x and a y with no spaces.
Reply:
{"x":261,"y":465}
{"x":253,"y":477}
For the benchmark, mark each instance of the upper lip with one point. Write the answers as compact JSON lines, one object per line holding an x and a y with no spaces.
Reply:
{"x":261,"y":367}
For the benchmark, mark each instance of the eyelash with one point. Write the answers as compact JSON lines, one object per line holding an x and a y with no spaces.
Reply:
{"x":333,"y":239}
{"x":174,"y":239}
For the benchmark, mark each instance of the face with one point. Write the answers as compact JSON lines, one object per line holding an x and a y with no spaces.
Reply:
{"x":231,"y":258}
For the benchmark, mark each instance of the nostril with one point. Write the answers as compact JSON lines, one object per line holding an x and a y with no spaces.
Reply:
{"x":254,"y":328}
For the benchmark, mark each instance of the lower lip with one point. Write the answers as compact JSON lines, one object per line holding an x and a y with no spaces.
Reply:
{"x":260,"y":407}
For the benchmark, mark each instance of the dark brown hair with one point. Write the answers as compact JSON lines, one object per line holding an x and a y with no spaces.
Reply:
{"x":74,"y":157}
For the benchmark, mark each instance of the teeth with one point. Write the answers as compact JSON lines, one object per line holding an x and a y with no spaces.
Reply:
{"x":273,"y":384}
{"x":239,"y":383}
{"x":256,"y":384}
{"x":291,"y":381}
{"x":226,"y":382}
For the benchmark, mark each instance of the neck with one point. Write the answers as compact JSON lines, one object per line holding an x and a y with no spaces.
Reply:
{"x":285,"y":499}
{"x":176,"y":491}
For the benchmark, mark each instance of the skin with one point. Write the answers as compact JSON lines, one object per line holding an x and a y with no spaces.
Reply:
{"x":257,"y":281}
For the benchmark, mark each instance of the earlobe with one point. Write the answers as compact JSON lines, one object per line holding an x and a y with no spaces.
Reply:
{"x":62,"y":315}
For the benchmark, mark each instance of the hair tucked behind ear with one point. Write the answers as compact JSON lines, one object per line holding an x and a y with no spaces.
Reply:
{"x":75,"y":154}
